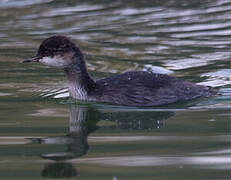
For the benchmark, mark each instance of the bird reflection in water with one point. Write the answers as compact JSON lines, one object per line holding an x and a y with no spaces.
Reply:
{"x":83,"y":121}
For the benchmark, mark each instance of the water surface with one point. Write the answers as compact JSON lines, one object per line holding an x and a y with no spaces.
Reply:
{"x":45,"y":134}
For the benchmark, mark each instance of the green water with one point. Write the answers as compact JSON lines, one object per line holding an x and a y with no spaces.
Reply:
{"x":44,"y":134}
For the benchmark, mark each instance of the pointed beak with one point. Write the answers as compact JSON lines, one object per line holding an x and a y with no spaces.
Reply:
{"x":32,"y":59}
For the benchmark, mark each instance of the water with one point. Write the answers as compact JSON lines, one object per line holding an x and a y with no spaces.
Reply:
{"x":44,"y":134}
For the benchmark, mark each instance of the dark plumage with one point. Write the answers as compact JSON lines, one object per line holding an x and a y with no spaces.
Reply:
{"x":141,"y":88}
{"x":137,"y":88}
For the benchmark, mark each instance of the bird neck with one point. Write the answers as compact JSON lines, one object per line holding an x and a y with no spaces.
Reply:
{"x":80,"y":82}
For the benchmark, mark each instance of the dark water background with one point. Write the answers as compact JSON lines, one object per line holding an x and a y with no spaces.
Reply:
{"x":43,"y":134}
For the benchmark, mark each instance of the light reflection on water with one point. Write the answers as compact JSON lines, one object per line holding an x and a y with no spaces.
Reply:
{"x":188,"y":39}
{"x":139,"y":161}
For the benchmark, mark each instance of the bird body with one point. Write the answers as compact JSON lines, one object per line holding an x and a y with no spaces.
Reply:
{"x":135,"y":88}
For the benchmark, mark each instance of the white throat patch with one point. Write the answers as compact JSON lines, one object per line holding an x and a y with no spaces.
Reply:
{"x":56,"y":61}
{"x":77,"y":91}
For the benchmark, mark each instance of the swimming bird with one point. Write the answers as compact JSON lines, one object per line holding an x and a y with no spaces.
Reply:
{"x":135,"y":88}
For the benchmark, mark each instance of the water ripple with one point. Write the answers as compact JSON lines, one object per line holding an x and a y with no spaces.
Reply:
{"x":180,"y":37}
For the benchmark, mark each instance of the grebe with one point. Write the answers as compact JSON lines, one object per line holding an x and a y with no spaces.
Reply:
{"x":135,"y":88}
